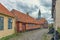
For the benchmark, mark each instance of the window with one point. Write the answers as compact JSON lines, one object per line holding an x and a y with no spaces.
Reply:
{"x":10,"y":23}
{"x":1,"y":23}
{"x":30,"y":25}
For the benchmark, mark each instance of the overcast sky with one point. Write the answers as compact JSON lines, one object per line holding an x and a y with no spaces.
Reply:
{"x":31,"y":6}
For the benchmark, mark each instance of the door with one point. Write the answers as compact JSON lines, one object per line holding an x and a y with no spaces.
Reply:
{"x":17,"y":24}
{"x":23,"y":27}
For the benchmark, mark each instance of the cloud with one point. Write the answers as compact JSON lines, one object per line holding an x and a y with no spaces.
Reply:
{"x":46,"y":3}
{"x":45,"y":6}
{"x":30,"y":6}
{"x":9,"y":4}
{"x":26,"y":8}
{"x":29,"y":2}
{"x":12,"y":1}
{"x":35,"y":14}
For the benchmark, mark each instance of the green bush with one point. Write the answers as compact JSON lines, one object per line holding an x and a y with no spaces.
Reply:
{"x":58,"y":29}
{"x":51,"y":26}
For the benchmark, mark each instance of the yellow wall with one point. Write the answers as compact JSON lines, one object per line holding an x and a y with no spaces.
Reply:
{"x":7,"y":31}
{"x":57,"y":21}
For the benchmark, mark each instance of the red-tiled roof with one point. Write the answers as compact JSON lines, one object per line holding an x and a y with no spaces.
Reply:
{"x":5,"y":11}
{"x":23,"y":17}
{"x":19,"y":16}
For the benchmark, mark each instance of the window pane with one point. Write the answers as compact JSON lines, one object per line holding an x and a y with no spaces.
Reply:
{"x":1,"y":23}
{"x":10,"y":23}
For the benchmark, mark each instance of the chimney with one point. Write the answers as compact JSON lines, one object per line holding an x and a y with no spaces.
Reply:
{"x":27,"y":13}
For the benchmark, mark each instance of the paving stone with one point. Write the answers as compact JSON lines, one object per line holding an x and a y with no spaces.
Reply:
{"x":32,"y":35}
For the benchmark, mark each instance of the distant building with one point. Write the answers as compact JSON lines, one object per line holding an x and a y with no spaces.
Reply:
{"x":39,"y":15}
{"x":24,"y":21}
{"x":43,"y":22}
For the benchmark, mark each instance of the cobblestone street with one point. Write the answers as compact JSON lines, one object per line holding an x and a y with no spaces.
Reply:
{"x":32,"y":35}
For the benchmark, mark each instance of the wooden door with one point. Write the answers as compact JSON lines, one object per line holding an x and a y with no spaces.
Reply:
{"x":17,"y":24}
{"x":23,"y":27}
